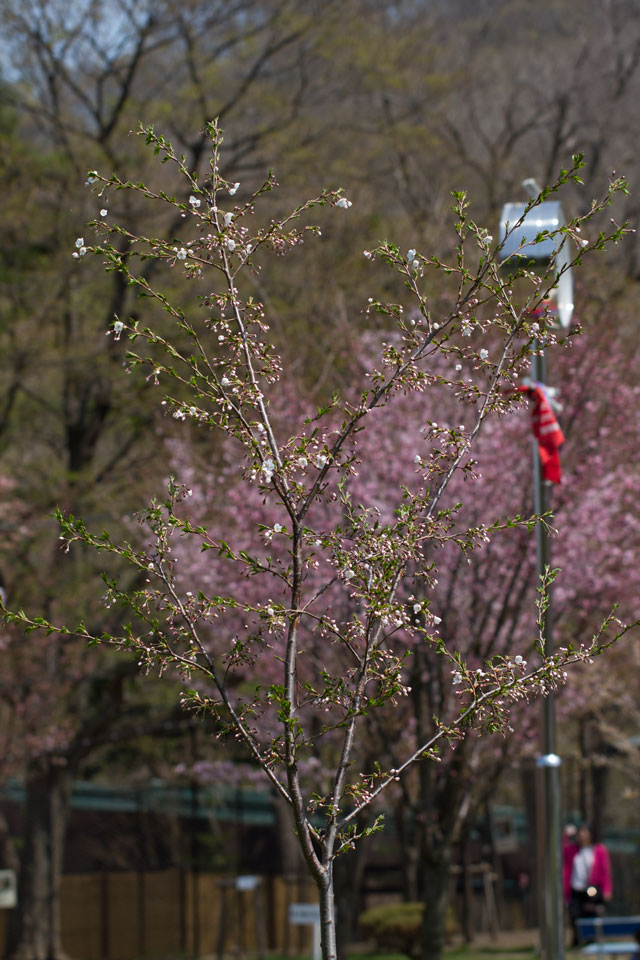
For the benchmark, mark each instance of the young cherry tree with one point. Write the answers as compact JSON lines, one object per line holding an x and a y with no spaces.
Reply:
{"x":293,"y":648}
{"x":485,"y":605}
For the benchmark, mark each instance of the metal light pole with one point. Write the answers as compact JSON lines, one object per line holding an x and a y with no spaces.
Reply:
{"x":548,"y":764}
{"x":545,"y":216}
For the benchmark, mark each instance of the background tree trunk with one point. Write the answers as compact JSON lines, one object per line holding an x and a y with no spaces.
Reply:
{"x":467,"y":888}
{"x":410,"y":853}
{"x":9,"y":860}
{"x":528,"y":780}
{"x":599,"y":780}
{"x":436,"y":878}
{"x":48,"y":792}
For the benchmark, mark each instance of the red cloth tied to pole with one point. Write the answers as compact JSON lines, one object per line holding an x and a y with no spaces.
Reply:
{"x":546,"y":430}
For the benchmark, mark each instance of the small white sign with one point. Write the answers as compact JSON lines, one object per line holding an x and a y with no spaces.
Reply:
{"x":8,"y":889}
{"x":304,"y":914}
{"x":247,"y":883}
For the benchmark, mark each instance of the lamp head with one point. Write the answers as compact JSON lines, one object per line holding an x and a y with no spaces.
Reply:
{"x":536,"y":243}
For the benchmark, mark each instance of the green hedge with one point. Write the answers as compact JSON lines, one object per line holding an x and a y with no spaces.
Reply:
{"x":395,"y":926}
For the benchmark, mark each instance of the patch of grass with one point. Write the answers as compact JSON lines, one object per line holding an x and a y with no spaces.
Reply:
{"x":378,"y":956}
{"x":462,"y":952}
{"x":455,"y":953}
{"x":488,"y":953}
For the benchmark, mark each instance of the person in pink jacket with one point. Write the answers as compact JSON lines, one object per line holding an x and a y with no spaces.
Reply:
{"x":586,"y":876}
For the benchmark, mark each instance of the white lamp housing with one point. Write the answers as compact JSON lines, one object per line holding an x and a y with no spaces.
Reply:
{"x":520,"y":245}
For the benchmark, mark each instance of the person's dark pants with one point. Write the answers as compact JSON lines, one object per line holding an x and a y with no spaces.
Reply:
{"x":580,"y":905}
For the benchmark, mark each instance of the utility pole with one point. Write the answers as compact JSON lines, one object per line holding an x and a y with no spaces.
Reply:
{"x":548,"y":763}
{"x":518,"y":246}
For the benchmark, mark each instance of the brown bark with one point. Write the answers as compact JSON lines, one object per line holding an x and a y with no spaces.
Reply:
{"x":410,"y":853}
{"x":9,"y":860}
{"x":291,"y":862}
{"x":436,"y":866}
{"x":467,"y":889}
{"x":48,"y":791}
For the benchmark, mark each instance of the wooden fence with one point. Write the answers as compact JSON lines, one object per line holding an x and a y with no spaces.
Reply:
{"x":123,"y":916}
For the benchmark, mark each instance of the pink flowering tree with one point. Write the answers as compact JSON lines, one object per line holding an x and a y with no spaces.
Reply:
{"x":312,"y":633}
{"x":485,"y":600}
{"x":598,"y":538}
{"x":485,"y":605}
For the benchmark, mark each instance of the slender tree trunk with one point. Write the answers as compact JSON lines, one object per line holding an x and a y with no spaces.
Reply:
{"x":436,"y":879}
{"x":9,"y":860}
{"x":48,"y":790}
{"x":348,"y":873}
{"x":327,"y":916}
{"x":467,"y":889}
{"x":409,"y":851}
{"x":584,"y":763}
{"x":528,"y":780}
{"x":291,"y":860}
{"x":436,"y":811}
{"x":599,"y":779}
